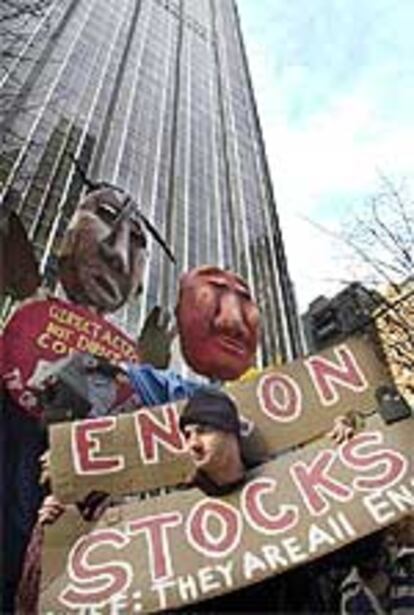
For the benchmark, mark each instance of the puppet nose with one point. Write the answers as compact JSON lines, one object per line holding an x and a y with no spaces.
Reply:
{"x":115,"y":247}
{"x":230,"y":316}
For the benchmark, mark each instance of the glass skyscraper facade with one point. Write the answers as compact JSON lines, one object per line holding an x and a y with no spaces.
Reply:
{"x":154,"y":96}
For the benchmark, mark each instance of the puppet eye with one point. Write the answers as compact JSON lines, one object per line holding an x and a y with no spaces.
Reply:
{"x":218,"y":284}
{"x":107,"y":210}
{"x":246,"y":296}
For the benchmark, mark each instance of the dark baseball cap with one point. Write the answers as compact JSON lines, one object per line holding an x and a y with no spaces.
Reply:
{"x":213,"y":408}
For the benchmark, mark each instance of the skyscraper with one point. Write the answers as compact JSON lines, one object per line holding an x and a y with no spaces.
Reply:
{"x":154,"y":96}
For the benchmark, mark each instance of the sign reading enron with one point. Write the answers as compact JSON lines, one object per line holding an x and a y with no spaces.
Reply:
{"x":281,"y":408}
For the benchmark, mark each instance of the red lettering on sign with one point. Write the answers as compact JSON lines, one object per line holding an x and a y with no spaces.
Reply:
{"x":280,"y":397}
{"x":328,"y":376}
{"x":314,"y":483}
{"x":155,"y":529}
{"x":258,"y":517}
{"x":86,"y":446}
{"x":389,"y":466}
{"x":201,"y":536}
{"x":152,"y":433}
{"x":95,"y":584}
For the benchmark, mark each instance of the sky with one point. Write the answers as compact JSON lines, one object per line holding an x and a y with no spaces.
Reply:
{"x":334,"y":86}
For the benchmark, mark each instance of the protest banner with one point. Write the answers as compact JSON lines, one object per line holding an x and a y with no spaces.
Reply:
{"x":55,"y":328}
{"x":281,"y":408}
{"x":184,"y":547}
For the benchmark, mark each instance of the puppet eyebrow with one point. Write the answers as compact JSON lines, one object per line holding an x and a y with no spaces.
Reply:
{"x":218,"y":274}
{"x":113,"y":210}
{"x":238,"y":288}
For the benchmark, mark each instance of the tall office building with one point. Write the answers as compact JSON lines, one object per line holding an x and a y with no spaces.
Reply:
{"x":154,"y":96}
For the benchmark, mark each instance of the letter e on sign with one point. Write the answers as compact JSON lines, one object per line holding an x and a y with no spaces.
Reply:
{"x":86,"y":447}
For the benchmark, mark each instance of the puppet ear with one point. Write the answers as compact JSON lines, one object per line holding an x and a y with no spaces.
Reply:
{"x":19,"y":274}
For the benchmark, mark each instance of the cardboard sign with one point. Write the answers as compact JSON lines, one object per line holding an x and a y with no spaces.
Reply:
{"x":182,"y":548}
{"x":47,"y":330}
{"x":281,"y":408}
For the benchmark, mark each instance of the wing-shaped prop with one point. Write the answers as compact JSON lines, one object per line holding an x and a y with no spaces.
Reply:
{"x":19,"y":274}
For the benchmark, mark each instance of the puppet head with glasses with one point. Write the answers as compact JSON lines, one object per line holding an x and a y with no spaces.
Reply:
{"x":102,"y":255}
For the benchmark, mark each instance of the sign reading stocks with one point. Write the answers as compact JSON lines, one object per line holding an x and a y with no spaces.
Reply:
{"x":177,"y":549}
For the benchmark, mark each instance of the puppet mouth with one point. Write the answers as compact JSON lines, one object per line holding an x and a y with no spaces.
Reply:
{"x":231,"y":345}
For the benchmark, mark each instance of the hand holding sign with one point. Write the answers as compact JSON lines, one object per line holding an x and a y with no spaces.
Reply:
{"x":50,"y":510}
{"x":344,"y":427}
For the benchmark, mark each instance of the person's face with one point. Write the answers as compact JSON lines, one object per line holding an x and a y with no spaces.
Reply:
{"x":102,"y":262}
{"x":218,"y":323}
{"x":211,"y":450}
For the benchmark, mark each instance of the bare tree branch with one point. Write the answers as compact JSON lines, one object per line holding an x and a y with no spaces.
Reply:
{"x":376,"y":266}
{"x":401,"y":205}
{"x":380,"y":241}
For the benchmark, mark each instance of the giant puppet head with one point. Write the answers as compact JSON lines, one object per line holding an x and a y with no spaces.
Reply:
{"x":218,"y":322}
{"x":103,"y":253}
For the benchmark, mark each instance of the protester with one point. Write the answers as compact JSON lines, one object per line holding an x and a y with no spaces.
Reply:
{"x":402,"y":572}
{"x":211,"y":428}
{"x":365,"y":589}
{"x":381,"y":578}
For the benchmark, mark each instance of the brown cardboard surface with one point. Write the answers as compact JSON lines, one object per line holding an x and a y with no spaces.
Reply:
{"x":281,"y":408}
{"x":184,"y":547}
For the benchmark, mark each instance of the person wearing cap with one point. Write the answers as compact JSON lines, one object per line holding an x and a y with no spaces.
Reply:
{"x":211,"y":428}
